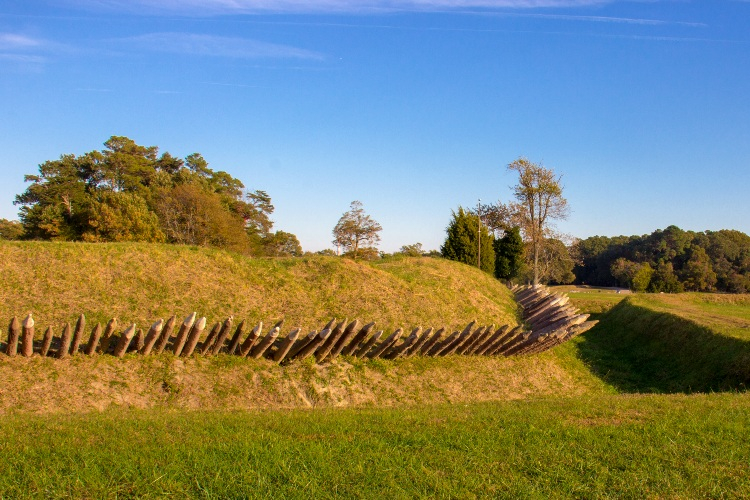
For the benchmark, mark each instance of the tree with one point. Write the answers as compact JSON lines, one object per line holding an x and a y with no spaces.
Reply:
{"x":282,"y":244}
{"x":414,"y":250}
{"x":461,"y":242}
{"x":10,"y":230}
{"x":508,"y":254}
{"x":355,"y":230}
{"x":539,"y":201}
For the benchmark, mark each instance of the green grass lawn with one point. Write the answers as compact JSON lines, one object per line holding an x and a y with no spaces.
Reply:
{"x":602,"y":446}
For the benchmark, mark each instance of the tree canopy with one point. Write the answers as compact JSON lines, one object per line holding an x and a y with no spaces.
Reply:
{"x":463,"y":238}
{"x":676,"y":260}
{"x":357,"y":233}
{"x":128,"y":192}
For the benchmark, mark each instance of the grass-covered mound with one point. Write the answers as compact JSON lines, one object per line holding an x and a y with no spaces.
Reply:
{"x":672,"y":343}
{"x":142,"y":282}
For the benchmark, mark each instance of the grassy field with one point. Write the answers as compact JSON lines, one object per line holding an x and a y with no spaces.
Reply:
{"x":651,"y":403}
{"x":597,"y":447}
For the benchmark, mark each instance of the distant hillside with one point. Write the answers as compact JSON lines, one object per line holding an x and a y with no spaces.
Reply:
{"x":140,"y":282}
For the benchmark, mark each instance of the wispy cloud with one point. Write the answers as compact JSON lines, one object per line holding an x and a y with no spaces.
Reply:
{"x":192,"y":7}
{"x":216,"y":46}
{"x":23,"y":51}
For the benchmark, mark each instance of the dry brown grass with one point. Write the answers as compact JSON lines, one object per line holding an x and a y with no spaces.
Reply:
{"x":142,"y":282}
{"x":83,"y":384}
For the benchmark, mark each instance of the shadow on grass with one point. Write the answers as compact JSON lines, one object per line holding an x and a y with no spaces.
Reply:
{"x":637,"y":349}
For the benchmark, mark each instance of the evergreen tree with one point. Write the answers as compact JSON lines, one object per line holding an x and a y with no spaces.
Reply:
{"x":508,"y":254}
{"x":461,"y":244}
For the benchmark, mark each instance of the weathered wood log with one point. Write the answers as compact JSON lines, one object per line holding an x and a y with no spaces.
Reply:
{"x":357,"y":339}
{"x":505,"y":340}
{"x":14,"y":331}
{"x":27,"y":337}
{"x":209,"y":342}
{"x":151,"y":337}
{"x":567,"y":312}
{"x":488,"y":333}
{"x":397,"y":351}
{"x":75,"y":344}
{"x":252,"y":337}
{"x":301,"y":344}
{"x":67,"y":335}
{"x":222,"y":337}
{"x":484,"y":347}
{"x":325,"y":348}
{"x":165,"y":335}
{"x":417,"y":346}
{"x":93,"y":343}
{"x":286,"y":345}
{"x":182,"y":333}
{"x":463,"y":337}
{"x":46,"y":342}
{"x":312,"y":346}
{"x":193,"y":337}
{"x":338,"y":347}
{"x":109,"y":331}
{"x":439,"y":347}
{"x":367,"y":344}
{"x":124,"y":341}
{"x":235,"y":342}
{"x":388,"y":342}
{"x":552,"y":300}
{"x":264,"y":344}
{"x":432,"y":341}
{"x":138,"y":341}
{"x":474,"y":337}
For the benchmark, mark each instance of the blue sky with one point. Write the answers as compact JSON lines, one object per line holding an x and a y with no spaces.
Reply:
{"x":412,"y":107}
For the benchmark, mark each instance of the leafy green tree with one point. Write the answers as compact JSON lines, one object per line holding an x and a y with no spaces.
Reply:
{"x":462,"y":241}
{"x":10,"y":230}
{"x":508,"y":254}
{"x":698,"y":274}
{"x":414,"y":250}
{"x":356,"y":231}
{"x":539,"y":202}
{"x":282,"y":244}
{"x":121,"y":216}
{"x":127,"y":192}
{"x":665,"y":280}
{"x":642,"y":278}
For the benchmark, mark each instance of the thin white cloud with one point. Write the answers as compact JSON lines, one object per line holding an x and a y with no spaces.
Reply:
{"x":13,"y":41}
{"x":217,"y":46}
{"x":193,"y":7}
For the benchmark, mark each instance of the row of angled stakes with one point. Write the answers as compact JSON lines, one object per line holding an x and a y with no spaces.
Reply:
{"x":550,"y":317}
{"x":334,"y":339}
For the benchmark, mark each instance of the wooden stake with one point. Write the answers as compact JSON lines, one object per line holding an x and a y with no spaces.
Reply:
{"x":193,"y":337}
{"x":182,"y":334}
{"x":392,"y":339}
{"x":310,"y":348}
{"x":427,"y":346}
{"x":27,"y":337}
{"x":222,"y":337}
{"x":209,"y":342}
{"x":235,"y":342}
{"x":75,"y":344}
{"x":286,"y":345}
{"x":109,"y":331}
{"x":67,"y":336}
{"x":46,"y":342}
{"x":151,"y":337}
{"x":96,"y":334}
{"x":367,"y":345}
{"x":357,"y":339}
{"x":124,"y":341}
{"x":264,"y":344}
{"x":166,"y":333}
{"x":344,"y":339}
{"x":14,"y":330}
{"x":249,"y":342}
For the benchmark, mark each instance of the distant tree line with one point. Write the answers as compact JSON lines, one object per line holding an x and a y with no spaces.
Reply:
{"x":128,"y":192}
{"x":669,"y":260}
